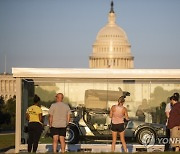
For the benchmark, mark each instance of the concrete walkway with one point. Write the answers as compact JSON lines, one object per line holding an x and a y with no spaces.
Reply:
{"x":10,"y":151}
{"x":97,"y":148}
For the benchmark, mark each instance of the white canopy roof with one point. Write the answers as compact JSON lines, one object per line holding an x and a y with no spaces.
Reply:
{"x":95,"y":73}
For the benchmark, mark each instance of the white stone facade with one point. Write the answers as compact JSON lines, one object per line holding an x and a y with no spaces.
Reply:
{"x":111,"y":48}
{"x":7,"y":86}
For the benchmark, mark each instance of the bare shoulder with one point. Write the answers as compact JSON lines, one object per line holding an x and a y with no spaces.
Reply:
{"x":125,"y":109}
{"x":113,"y":107}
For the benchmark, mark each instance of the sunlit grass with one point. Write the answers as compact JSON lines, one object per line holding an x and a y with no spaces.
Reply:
{"x":45,"y":140}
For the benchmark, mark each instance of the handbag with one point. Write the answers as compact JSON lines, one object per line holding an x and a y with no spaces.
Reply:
{"x":26,"y":129}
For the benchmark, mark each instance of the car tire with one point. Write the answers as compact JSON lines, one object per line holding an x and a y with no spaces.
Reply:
{"x":72,"y":135}
{"x":146,"y":136}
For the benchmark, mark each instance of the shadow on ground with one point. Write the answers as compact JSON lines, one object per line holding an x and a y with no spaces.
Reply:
{"x":6,"y":149}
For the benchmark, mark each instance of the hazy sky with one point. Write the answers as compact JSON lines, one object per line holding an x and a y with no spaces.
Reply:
{"x":60,"y":33}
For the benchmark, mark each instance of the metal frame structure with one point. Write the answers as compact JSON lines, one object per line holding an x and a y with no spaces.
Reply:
{"x":23,"y":73}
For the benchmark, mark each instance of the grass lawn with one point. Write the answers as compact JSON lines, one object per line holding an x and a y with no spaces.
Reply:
{"x":7,"y":141}
{"x":46,"y":140}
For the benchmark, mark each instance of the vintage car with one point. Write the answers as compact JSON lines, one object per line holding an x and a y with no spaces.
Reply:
{"x":97,"y":125}
{"x":93,"y":122}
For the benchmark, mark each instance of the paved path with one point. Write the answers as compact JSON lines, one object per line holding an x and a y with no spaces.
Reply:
{"x":94,"y":148}
{"x":6,"y":133}
{"x":10,"y":151}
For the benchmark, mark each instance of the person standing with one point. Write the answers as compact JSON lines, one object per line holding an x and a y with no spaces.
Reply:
{"x":59,"y":117}
{"x":117,"y":115}
{"x":174,"y":122}
{"x":168,"y":106}
{"x":34,"y":116}
{"x":167,"y":111}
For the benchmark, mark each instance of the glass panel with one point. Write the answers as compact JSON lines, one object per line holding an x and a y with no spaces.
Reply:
{"x":146,"y":103}
{"x":117,"y":88}
{"x":161,"y":90}
{"x":84,"y":91}
{"x":27,"y":100}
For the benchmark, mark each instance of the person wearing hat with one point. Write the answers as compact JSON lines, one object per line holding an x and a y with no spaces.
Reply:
{"x":117,"y":114}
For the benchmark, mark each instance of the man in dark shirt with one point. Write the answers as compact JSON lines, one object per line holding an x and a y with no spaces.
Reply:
{"x":174,"y":121}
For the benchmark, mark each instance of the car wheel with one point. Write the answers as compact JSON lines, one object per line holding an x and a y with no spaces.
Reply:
{"x":146,"y":136}
{"x":72,"y":135}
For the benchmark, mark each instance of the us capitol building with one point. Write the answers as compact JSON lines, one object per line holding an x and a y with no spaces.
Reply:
{"x":110,"y":50}
{"x":7,"y":86}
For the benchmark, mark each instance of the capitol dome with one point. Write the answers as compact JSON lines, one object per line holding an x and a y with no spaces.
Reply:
{"x":111,"y":48}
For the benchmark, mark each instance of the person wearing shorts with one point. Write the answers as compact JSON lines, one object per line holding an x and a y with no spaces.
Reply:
{"x":117,"y":115}
{"x":58,"y":131}
{"x":118,"y":127}
{"x":59,"y":117}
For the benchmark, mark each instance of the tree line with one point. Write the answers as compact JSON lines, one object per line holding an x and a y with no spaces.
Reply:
{"x":7,"y":114}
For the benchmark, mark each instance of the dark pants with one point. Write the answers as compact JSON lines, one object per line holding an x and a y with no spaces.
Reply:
{"x":35,"y":130}
{"x":168,"y":136}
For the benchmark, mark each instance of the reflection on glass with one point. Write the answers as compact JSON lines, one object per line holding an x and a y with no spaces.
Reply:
{"x":146,"y":103}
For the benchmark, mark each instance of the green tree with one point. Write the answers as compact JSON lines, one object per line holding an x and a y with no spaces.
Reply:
{"x":47,"y":97}
{"x":4,"y":116}
{"x":2,"y":103}
{"x":7,"y":113}
{"x":11,"y":110}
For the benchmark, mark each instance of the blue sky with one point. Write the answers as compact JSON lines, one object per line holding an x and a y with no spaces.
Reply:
{"x":60,"y":33}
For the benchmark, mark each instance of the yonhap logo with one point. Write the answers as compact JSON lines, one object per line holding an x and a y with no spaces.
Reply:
{"x":168,"y":141}
{"x":148,"y":140}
